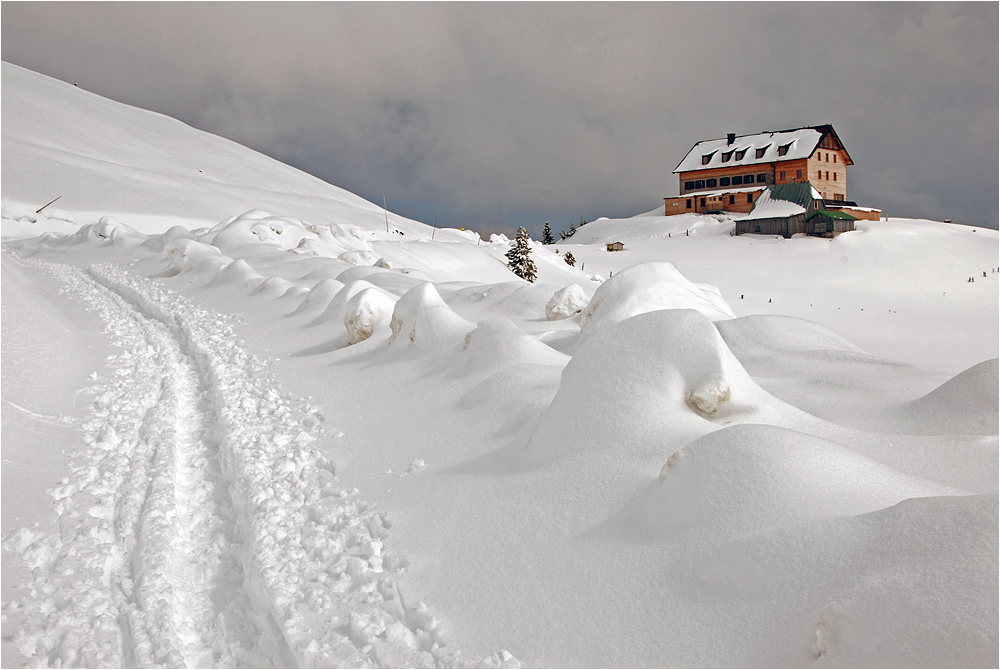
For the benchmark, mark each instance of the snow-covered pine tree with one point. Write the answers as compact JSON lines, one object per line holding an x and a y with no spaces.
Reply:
{"x":569,"y":259}
{"x":547,"y":234}
{"x":572,"y":231}
{"x":519,"y":256}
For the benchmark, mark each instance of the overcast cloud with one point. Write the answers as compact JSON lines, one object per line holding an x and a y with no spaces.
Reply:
{"x":499,"y":115}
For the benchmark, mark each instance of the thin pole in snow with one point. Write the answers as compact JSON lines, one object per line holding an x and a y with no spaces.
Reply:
{"x":386,"y":215}
{"x":39,"y":210}
{"x":435,"y":226}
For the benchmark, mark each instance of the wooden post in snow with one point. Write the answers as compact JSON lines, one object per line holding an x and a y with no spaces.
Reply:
{"x":386,"y":215}
{"x":39,"y":210}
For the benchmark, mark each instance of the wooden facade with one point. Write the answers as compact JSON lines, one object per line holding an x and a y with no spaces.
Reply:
{"x":615,"y":246}
{"x":740,"y":201}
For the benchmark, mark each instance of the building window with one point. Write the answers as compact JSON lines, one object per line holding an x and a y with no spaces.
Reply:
{"x":760,"y":152}
{"x":835,"y":176}
{"x":828,"y":175}
{"x":688,"y":185}
{"x":707,"y":158}
{"x":798,"y":174}
{"x":819,"y":174}
{"x":838,"y":196}
{"x":700,"y":183}
{"x":711,"y":183}
{"x":740,"y":154}
{"x":726,"y":155}
{"x":835,"y":158}
{"x":762,"y":178}
{"x":783,"y":149}
{"x":702,"y":202}
{"x":756,"y":228}
{"x":828,"y":158}
{"x":689,"y":203}
{"x":732,"y":199}
{"x":749,"y":197}
{"x":782,"y":177}
{"x":737,"y":180}
{"x":724,"y":181}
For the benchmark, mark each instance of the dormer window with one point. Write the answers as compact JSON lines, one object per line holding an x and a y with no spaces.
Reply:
{"x":783,"y":149}
{"x":740,"y":154}
{"x":726,"y":155}
{"x":760,"y":152}
{"x":707,"y":158}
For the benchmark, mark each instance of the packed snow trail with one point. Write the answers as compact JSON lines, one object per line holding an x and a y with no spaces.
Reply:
{"x":200,"y":528}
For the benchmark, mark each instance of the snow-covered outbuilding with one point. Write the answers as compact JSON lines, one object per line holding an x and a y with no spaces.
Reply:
{"x":730,"y":174}
{"x":615,"y":246}
{"x":789,"y":209}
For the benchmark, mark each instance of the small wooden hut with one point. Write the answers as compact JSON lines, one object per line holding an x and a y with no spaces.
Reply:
{"x":616,"y":246}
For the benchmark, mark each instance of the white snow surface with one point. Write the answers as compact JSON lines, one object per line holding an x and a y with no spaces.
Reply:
{"x":269,"y":433}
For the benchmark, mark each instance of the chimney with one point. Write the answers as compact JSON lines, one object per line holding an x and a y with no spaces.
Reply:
{"x":730,"y":138}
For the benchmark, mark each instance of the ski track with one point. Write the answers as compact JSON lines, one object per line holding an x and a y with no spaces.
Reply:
{"x":200,"y":528}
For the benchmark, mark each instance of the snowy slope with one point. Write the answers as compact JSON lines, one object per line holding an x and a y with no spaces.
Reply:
{"x":318,"y":444}
{"x":145,"y":169}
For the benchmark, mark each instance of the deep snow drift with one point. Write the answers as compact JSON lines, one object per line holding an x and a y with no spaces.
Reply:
{"x":284,"y":436}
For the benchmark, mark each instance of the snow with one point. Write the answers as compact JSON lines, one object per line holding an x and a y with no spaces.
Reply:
{"x":566,"y":302}
{"x":767,"y":207}
{"x":245,"y":426}
{"x":801,"y":143}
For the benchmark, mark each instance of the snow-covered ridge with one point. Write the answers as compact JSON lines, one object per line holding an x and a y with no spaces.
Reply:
{"x":59,"y":140}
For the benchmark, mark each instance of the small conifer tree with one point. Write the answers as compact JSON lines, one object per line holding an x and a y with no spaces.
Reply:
{"x":569,"y":259}
{"x":572,"y":231}
{"x":547,"y":234}
{"x":519,"y":256}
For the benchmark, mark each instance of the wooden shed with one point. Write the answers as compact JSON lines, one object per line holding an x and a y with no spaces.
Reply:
{"x":616,"y":246}
{"x":827,"y":223}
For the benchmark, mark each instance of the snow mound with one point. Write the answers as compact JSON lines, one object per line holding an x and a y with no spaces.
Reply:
{"x":188,"y":254}
{"x":274,"y":287}
{"x":785,"y":334}
{"x":642,"y":378}
{"x":966,"y":404}
{"x":255,"y":227}
{"x":397,"y":281}
{"x":318,"y":298}
{"x":336,"y":307}
{"x":237,"y":273}
{"x":368,"y":312}
{"x":746,"y":479}
{"x":422,"y":317}
{"x":499,"y":343}
{"x":565,"y":303}
{"x":645,"y":288}
{"x":359,"y":257}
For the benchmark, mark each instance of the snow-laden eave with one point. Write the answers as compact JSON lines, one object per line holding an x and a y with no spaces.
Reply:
{"x":801,"y":143}
{"x":721,"y":191}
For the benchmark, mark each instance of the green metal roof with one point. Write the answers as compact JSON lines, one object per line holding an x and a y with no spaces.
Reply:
{"x":832,"y":215}
{"x":800,"y":192}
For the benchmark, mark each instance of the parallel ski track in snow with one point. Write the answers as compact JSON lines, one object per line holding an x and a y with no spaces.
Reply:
{"x":200,"y":528}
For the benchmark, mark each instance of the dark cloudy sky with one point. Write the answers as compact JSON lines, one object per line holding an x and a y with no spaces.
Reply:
{"x":500,"y":115}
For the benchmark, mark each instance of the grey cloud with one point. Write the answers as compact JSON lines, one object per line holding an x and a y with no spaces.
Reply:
{"x":498,"y":115}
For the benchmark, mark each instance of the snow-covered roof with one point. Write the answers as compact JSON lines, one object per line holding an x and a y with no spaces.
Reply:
{"x":767,"y":207}
{"x":720,"y":191}
{"x":780,"y":145}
